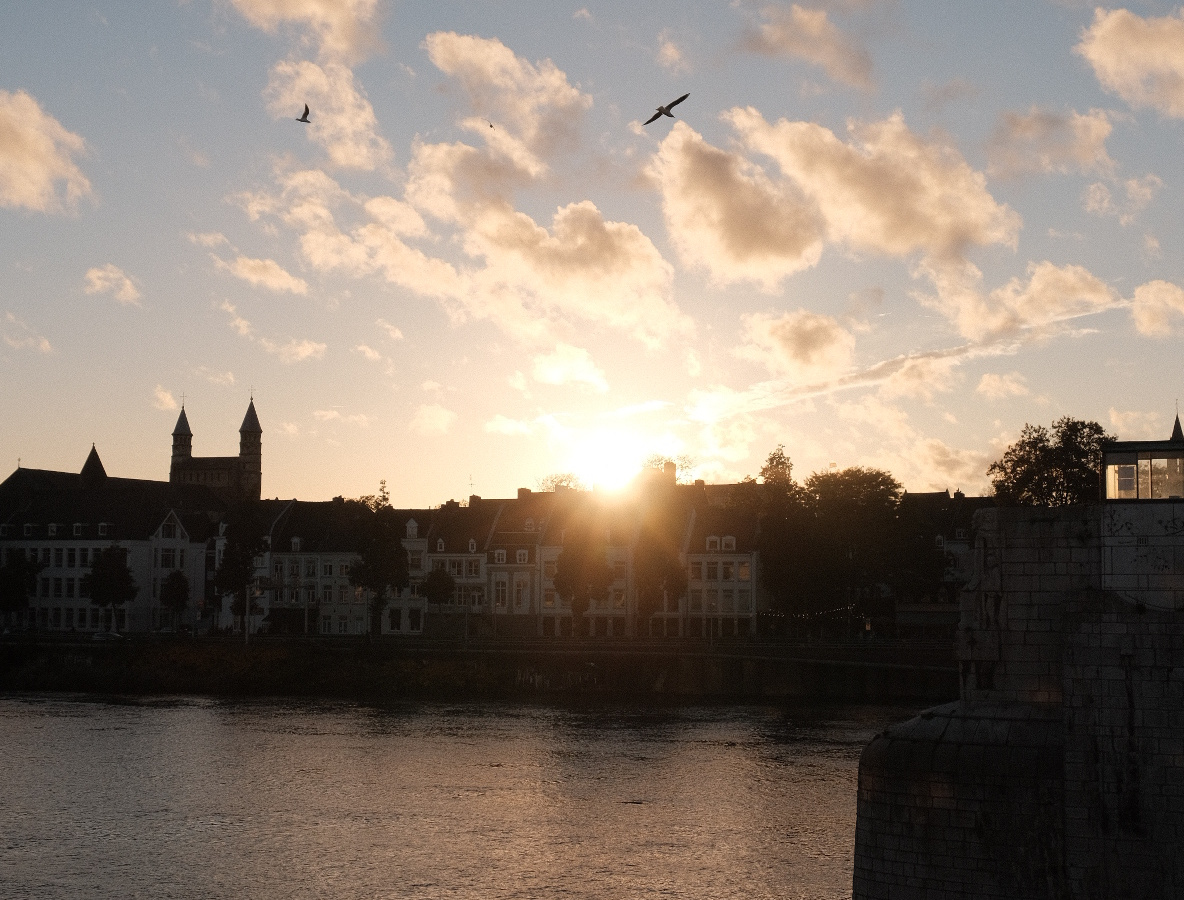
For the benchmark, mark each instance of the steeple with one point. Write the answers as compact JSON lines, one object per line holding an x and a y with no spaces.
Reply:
{"x":250,"y":421}
{"x":182,"y":446}
{"x":250,"y":455}
{"x":182,"y":425}
{"x":1177,"y":432}
{"x":93,"y":474}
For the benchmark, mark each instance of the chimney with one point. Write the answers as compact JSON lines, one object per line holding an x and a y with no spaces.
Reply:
{"x":523,"y":493}
{"x":670,"y":470}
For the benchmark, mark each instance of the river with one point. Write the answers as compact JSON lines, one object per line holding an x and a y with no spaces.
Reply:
{"x":196,"y":798}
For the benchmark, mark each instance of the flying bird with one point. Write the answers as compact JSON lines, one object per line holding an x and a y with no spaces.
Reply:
{"x":304,"y":118}
{"x":665,"y":110}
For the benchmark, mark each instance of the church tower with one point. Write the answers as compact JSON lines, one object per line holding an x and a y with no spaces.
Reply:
{"x":250,"y":455}
{"x":182,"y":447}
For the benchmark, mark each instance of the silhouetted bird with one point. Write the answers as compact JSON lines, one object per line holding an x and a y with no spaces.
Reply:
{"x":665,"y":110}
{"x":304,"y":118}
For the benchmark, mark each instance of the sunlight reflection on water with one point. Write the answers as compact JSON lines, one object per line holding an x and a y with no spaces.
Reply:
{"x":198,"y":798}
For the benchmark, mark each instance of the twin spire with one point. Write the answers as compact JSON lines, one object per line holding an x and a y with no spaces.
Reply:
{"x":250,"y":423}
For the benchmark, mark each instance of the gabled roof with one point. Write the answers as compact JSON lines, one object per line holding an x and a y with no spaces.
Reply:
{"x":456,"y":525}
{"x":93,"y":474}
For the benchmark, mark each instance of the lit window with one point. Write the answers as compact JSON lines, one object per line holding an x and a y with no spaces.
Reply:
{"x":549,"y":599}
{"x":744,"y":571}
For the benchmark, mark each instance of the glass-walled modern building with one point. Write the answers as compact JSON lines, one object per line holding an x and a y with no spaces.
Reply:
{"x":1145,"y":470}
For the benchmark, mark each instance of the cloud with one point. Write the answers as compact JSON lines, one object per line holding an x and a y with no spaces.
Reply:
{"x":1042,"y":141}
{"x":569,"y":365}
{"x":808,"y":34}
{"x":332,"y":415}
{"x":500,"y":424}
{"x":19,"y":336}
{"x":368,"y":352}
{"x":391,"y":331}
{"x":264,"y":273}
{"x":432,"y":419}
{"x":804,"y":346}
{"x":999,"y":387}
{"x":923,"y":377}
{"x":1140,"y":60}
{"x":1099,"y":199}
{"x":670,"y":56}
{"x":939,"y":96}
{"x":342,"y":120}
{"x":1155,"y":305}
{"x":728,"y":216}
{"x":37,"y":167}
{"x":163,"y":399}
{"x":210,"y":239}
{"x":341,"y":28}
{"x":294,"y":350}
{"x":1134,"y":425}
{"x":237,"y":322}
{"x":225,"y":379}
{"x":110,"y":279}
{"x":582,"y":13}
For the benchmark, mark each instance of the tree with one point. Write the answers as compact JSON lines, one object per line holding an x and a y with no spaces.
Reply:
{"x":1056,"y":468}
{"x":438,"y":586}
{"x":382,"y":562}
{"x":582,"y":575}
{"x":375,"y":502}
{"x":658,"y":575}
{"x":109,"y":583}
{"x":683,"y":462}
{"x":174,"y":593}
{"x":18,"y":579}
{"x":777,"y":472}
{"x":557,"y":480}
{"x":236,"y":574}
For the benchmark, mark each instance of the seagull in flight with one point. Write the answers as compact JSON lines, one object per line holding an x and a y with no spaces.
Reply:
{"x":665,"y":110}
{"x":304,"y":118}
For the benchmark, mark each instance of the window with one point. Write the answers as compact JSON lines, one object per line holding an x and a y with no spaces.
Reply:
{"x":277,"y":571}
{"x":521,"y":593}
{"x":45,"y":556}
{"x":939,"y":542}
{"x":729,"y":543}
{"x":44,"y":592}
{"x":57,"y":587}
{"x":478,"y":596}
{"x":29,"y":529}
{"x":295,"y":545}
{"x":960,"y":534}
{"x":744,"y":571}
{"x":327,"y":593}
{"x":396,"y":620}
{"x":327,"y":570}
{"x":342,"y":593}
{"x":499,"y":556}
{"x":57,"y":557}
{"x":499,"y":594}
{"x":713,"y":545}
{"x":77,"y":529}
{"x":472,"y":568}
{"x":70,"y":588}
{"x":53,"y":529}
{"x":713,"y":571}
{"x":743,"y":601}
{"x":726,"y":601}
{"x":412,"y":529}
{"x":696,"y":600}
{"x":618,"y":571}
{"x":696,"y":571}
{"x":549,"y":568}
{"x":454,"y":568}
{"x":548,"y":599}
{"x":310,"y":595}
{"x":529,"y":526}
{"x":618,"y":599}
{"x":71,"y":558}
{"x":439,"y":545}
{"x":294,"y":568}
{"x":293,"y":595}
{"x":343,"y":624}
{"x":727,"y":570}
{"x":472,"y":546}
{"x":83,"y":590}
{"x":168,"y":558}
{"x":711,"y":598}
{"x":413,"y":620}
{"x":168,"y":530}
{"x":326,"y":624}
{"x":102,"y":529}
{"x":415,"y":562}
{"x":522,"y":557}
{"x":343,"y":570}
{"x":310,"y":568}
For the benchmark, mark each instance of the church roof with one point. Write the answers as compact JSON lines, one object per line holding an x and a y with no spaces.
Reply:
{"x":251,"y":421}
{"x":1177,"y":433}
{"x":93,"y":473}
{"x":182,"y":428}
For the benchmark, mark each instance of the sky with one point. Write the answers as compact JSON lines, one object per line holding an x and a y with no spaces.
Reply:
{"x":883,"y":233}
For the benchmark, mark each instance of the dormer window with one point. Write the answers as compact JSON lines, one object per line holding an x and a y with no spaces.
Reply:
{"x":168,"y":530}
{"x":713,"y":544}
{"x":53,"y":529}
{"x":472,"y":546}
{"x":77,"y":529}
{"x":499,"y":556}
{"x":439,"y":545}
{"x":939,"y":542}
{"x":729,"y":543}
{"x":522,"y":557}
{"x":295,"y":545}
{"x":412,"y":529}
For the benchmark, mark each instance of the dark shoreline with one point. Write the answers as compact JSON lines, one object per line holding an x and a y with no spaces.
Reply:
{"x":388,"y":671}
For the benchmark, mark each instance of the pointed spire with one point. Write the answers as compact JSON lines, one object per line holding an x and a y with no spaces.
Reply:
{"x":1177,"y":432}
{"x":93,"y":473}
{"x":182,"y":428}
{"x":251,"y":421}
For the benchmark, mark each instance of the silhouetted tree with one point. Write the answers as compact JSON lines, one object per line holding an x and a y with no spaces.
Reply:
{"x":1056,"y":468}
{"x":658,"y":575}
{"x":381,"y":568}
{"x":558,"y":480}
{"x":18,"y":580}
{"x":236,"y":572}
{"x":438,"y":586}
{"x":582,"y":575}
{"x":109,"y":583}
{"x":375,"y":502}
{"x":174,"y":593}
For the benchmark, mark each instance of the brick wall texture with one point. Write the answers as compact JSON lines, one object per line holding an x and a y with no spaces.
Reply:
{"x":1060,"y":773}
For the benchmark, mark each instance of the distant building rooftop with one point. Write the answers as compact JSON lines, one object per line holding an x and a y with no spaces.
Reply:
{"x":1144,"y":470}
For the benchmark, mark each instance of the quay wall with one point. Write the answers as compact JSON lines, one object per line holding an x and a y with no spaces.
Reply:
{"x":1060,"y":772}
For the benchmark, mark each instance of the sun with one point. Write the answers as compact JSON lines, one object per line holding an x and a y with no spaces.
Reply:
{"x":607,"y":458}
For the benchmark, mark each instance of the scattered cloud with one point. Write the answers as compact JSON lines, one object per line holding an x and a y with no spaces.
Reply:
{"x":1154,"y":307}
{"x":569,"y":365}
{"x":333,"y":415}
{"x":19,"y":336}
{"x":1099,"y":199}
{"x":213,"y":376}
{"x":391,"y":331}
{"x":163,"y":399}
{"x":264,"y":273}
{"x":37,"y":167}
{"x":939,"y":96}
{"x":670,"y":55}
{"x":294,"y":350}
{"x":999,"y":387}
{"x":806,"y":347}
{"x":110,"y":279}
{"x":582,"y":13}
{"x":809,"y":35}
{"x":368,"y":352}
{"x":346,"y":29}
{"x":237,"y":322}
{"x":1132,"y":425}
{"x":1042,"y":141}
{"x":500,"y":424}
{"x":1140,"y":60}
{"x":210,"y":239}
{"x":923,"y":377}
{"x":432,"y":419}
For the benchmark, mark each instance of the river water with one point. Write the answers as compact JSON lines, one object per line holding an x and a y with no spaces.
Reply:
{"x":195,"y":798}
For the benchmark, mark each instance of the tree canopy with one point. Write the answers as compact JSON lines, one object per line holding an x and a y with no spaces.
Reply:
{"x":236,"y":573}
{"x":438,"y":586}
{"x":561,"y":480}
{"x":109,"y":581}
{"x":381,"y":568}
{"x":1051,"y":468}
{"x":18,"y":579}
{"x":582,"y":574}
{"x":174,"y":592}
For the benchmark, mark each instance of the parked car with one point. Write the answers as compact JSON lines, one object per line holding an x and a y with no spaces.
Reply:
{"x":107,"y":636}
